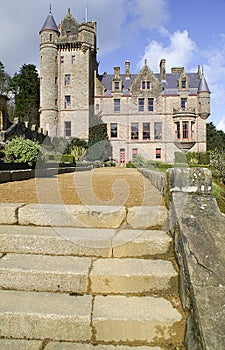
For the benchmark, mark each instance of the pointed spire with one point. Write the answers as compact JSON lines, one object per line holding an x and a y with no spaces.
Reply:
{"x":50,"y":22}
{"x":203,"y":86}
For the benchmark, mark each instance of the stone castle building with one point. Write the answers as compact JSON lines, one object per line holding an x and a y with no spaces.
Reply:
{"x":151,"y":114}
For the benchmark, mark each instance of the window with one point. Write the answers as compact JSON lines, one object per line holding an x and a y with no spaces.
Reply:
{"x":97,"y":106}
{"x":145,"y":85}
{"x":73,"y":59}
{"x":67,"y":129}
{"x":68,"y":33}
{"x":56,"y":102}
{"x":158,"y":131}
{"x":183,"y":84}
{"x":141,"y":104}
{"x":134,"y":131}
{"x":117,"y":105}
{"x":67,"y":79}
{"x":116,"y":85}
{"x":56,"y":80}
{"x":62,"y":59}
{"x":150,"y":104}
{"x":177,"y":131}
{"x":185,"y":130}
{"x":50,"y":37}
{"x":192,"y":130}
{"x":67,"y":101}
{"x":134,"y":152}
{"x":113,"y":130}
{"x":158,"y":153}
{"x":183,"y":104}
{"x":146,"y":131}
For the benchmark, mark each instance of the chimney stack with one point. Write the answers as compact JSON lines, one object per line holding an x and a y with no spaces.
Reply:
{"x":117,"y":72}
{"x":163,"y":69}
{"x":127,"y":70}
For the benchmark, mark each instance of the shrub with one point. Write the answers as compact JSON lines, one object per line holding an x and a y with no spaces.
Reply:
{"x":195,"y":158}
{"x":21,"y":150}
{"x":59,"y":158}
{"x":217,"y":161}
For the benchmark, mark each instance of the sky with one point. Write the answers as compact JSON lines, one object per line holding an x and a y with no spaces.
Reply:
{"x":185,"y":33}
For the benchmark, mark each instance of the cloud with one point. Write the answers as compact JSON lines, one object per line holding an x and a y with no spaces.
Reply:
{"x":214,"y":70}
{"x":148,"y":14}
{"x":179,"y":51}
{"x":22,"y":20}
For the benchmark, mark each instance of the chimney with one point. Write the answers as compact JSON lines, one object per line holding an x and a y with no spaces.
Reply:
{"x":127,"y":70}
{"x":117,"y":72}
{"x":162,"y":66}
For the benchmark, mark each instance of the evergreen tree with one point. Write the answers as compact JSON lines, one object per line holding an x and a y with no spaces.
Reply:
{"x":215,"y":138}
{"x":99,"y":147}
{"x":4,"y":80}
{"x":25,"y":86}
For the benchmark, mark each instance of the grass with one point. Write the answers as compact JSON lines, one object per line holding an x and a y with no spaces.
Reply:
{"x":218,"y":191}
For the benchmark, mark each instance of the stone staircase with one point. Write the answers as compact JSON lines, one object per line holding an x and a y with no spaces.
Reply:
{"x":88,"y":287}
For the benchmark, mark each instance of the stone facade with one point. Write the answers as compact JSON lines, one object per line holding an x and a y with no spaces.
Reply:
{"x":67,"y":66}
{"x":151,"y":114}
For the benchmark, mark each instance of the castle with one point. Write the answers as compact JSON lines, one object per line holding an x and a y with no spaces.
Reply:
{"x":151,"y":114}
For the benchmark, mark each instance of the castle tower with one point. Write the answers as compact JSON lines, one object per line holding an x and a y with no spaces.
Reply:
{"x":49,"y":76}
{"x":204,"y":98}
{"x":68,"y":65}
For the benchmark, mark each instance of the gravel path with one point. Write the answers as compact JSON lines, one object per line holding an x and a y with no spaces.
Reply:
{"x":103,"y":186}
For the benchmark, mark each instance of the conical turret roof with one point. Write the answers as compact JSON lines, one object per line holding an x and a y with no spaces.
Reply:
{"x":50,"y":24}
{"x":203,"y":86}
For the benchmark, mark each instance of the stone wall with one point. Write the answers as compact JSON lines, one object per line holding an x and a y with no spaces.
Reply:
{"x":197,"y":226}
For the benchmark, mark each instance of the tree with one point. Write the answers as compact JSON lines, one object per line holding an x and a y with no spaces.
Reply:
{"x":4,"y":80}
{"x":25,"y":86}
{"x":215,"y":138}
{"x":99,"y":147}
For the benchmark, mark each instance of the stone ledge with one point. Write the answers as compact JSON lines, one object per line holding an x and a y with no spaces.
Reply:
{"x":200,"y":248}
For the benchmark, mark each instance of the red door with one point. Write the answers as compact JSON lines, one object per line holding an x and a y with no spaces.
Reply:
{"x":122,"y":156}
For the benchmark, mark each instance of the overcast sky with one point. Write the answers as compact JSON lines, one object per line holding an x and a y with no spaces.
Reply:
{"x":185,"y":33}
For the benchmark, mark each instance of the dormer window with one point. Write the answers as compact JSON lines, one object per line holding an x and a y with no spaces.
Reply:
{"x":183,"y":84}
{"x":145,"y":85}
{"x":117,"y":85}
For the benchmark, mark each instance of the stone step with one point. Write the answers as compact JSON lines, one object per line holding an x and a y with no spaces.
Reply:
{"x":58,"y":215}
{"x":101,"y":320}
{"x":136,"y":320}
{"x":132,"y":276}
{"x":82,"y":275}
{"x":84,"y":241}
{"x":15,"y":344}
{"x":73,"y":346}
{"x":44,"y":273}
{"x":31,"y":315}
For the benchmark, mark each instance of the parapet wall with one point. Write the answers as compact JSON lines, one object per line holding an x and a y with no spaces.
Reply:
{"x":197,"y":226}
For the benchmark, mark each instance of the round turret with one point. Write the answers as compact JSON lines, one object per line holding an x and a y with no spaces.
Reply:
{"x":49,"y":75}
{"x":204,"y":98}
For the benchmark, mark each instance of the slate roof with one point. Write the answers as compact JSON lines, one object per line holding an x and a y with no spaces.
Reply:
{"x":170,"y":85}
{"x":50,"y":24}
{"x":203,"y":86}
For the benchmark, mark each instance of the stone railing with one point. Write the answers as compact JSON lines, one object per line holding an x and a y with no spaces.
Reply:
{"x":197,"y":226}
